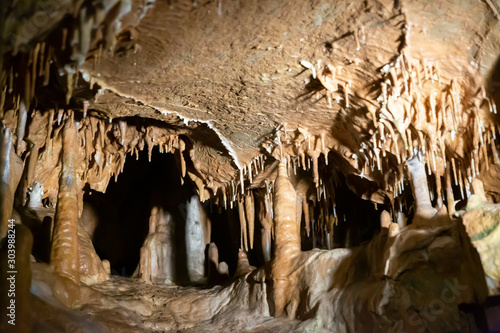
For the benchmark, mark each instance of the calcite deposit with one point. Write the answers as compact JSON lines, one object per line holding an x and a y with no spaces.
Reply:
{"x":258,"y":166}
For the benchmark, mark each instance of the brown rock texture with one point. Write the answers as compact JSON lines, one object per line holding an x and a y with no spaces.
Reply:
{"x":338,"y":159}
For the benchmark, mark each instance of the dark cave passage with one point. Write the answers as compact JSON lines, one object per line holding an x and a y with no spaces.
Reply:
{"x":124,"y":210}
{"x":118,"y":219}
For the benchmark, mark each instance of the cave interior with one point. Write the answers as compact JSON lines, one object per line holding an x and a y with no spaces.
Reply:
{"x":250,"y":166}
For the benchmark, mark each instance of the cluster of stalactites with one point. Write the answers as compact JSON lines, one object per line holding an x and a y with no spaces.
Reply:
{"x":415,"y":112}
{"x":300,"y":149}
{"x":71,"y":45}
{"x":19,"y":84}
{"x":107,"y":144}
{"x":316,"y":210}
{"x":103,"y":146}
{"x":227,"y":194}
{"x":450,"y":129}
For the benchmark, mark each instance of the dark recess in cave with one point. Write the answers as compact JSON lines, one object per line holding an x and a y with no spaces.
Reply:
{"x":123,"y":212}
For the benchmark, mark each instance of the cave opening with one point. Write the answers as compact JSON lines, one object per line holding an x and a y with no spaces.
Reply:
{"x":117,"y":219}
{"x":123,"y":211}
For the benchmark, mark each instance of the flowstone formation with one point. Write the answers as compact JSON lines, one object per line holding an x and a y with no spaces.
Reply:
{"x":251,"y":165}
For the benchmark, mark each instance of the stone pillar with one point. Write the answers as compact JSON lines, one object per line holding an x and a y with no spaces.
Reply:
{"x":64,"y":254}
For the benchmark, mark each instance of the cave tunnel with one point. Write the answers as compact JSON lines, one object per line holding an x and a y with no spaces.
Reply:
{"x":249,"y":166}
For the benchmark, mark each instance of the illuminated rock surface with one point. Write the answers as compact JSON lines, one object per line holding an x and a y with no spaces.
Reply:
{"x":252,"y":165}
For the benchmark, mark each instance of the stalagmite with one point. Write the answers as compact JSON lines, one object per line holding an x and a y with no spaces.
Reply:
{"x":21,"y":126}
{"x":213,"y":261}
{"x":420,"y":188}
{"x":401,"y":219}
{"x":92,"y":269}
{"x":250,"y":216}
{"x":195,"y":239}
{"x":11,"y":170}
{"x":385,"y":219}
{"x":243,"y":267}
{"x":157,"y":263}
{"x":35,"y":196}
{"x":266,"y":223}
{"x":64,"y":254}
{"x":477,"y":187}
{"x":394,"y":229}
{"x":217,"y":272}
{"x":145,"y":265}
{"x":287,"y":245}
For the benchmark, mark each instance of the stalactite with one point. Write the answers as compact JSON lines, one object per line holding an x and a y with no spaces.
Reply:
{"x":250,"y":216}
{"x":64,"y":254}
{"x":439,"y":196}
{"x":27,"y":87}
{"x":496,"y":159}
{"x":395,"y":81}
{"x":287,"y":245}
{"x":102,"y":132}
{"x":314,"y":154}
{"x":299,"y":210}
{"x":36,"y":52}
{"x":250,"y":175}
{"x":459,"y":182}
{"x":243,"y":225}
{"x":123,"y":130}
{"x":88,"y":142}
{"x":242,"y":182}
{"x":346,"y":93}
{"x":305,"y":210}
{"x":450,"y":200}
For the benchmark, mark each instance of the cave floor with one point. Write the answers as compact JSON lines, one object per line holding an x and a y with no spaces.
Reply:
{"x":124,"y":304}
